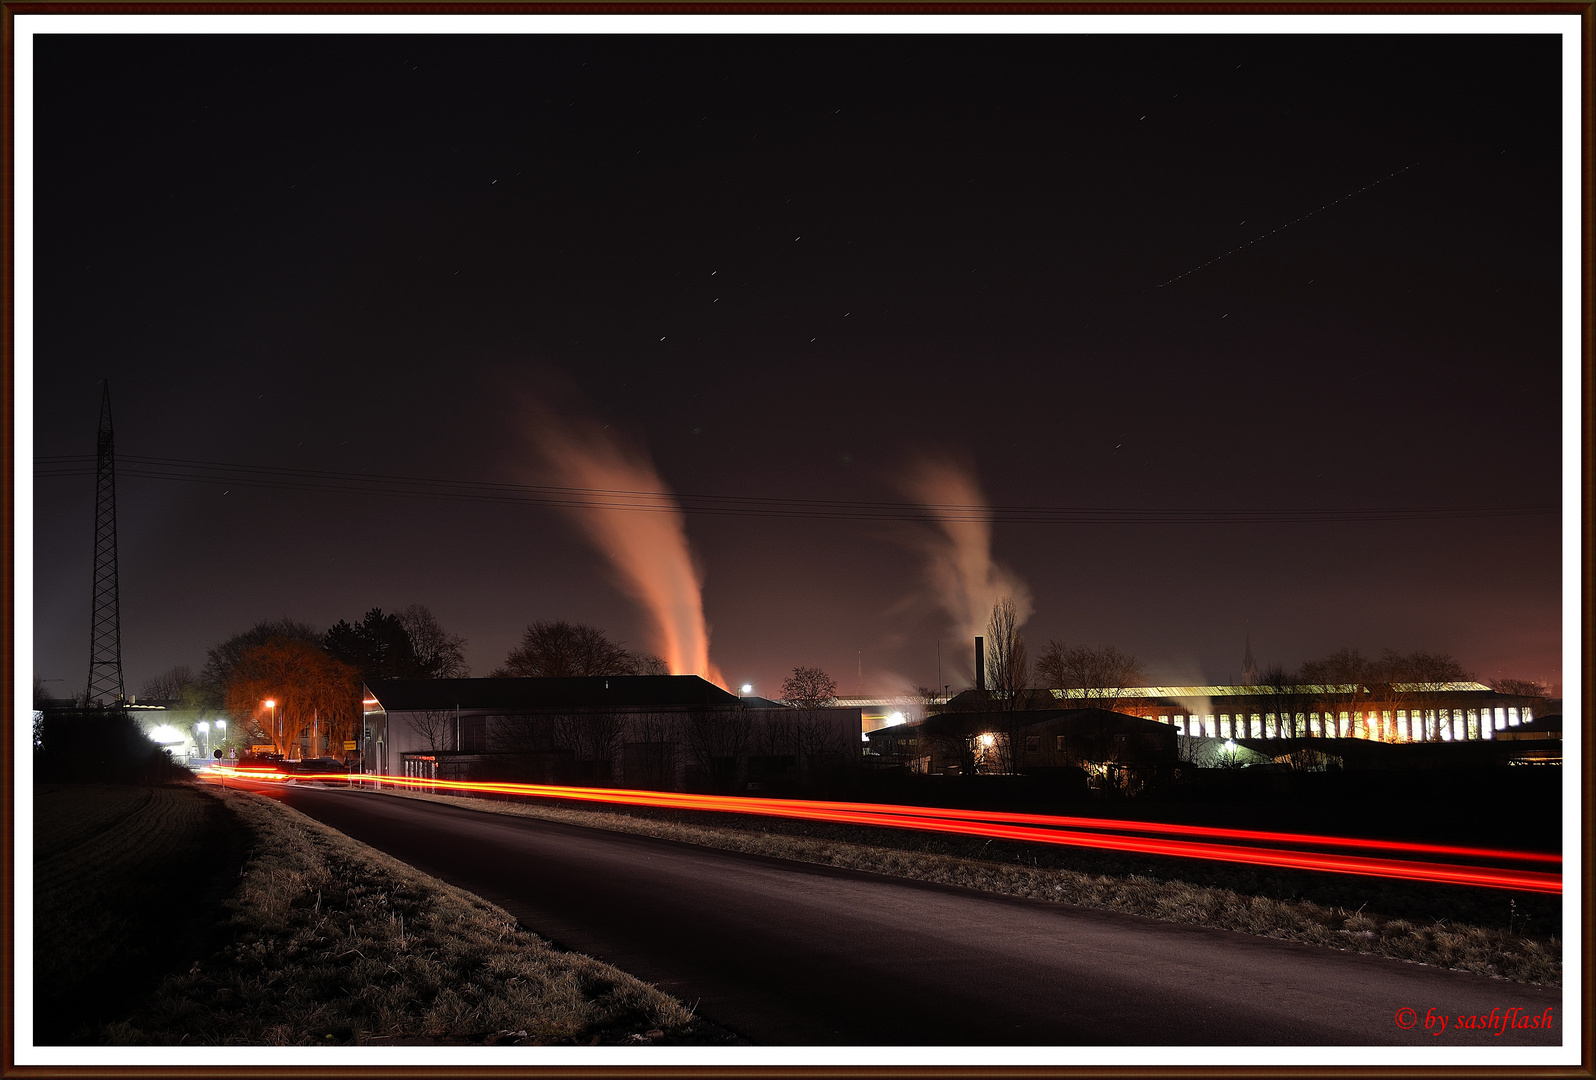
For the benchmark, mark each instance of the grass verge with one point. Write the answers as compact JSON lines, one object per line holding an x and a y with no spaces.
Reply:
{"x":334,"y":943}
{"x":1228,"y":898}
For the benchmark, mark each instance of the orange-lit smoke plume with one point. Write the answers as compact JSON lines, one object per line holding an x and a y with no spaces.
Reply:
{"x":630,"y":515}
{"x":959,"y":563}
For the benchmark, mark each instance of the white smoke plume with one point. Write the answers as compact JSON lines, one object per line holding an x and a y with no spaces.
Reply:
{"x":958,"y":553}
{"x":640,"y":528}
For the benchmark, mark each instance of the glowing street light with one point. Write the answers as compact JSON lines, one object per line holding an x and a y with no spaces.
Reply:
{"x":748,"y":688}
{"x":272,"y":705}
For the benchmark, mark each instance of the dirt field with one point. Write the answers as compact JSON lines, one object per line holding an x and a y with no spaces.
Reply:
{"x":128,"y":886}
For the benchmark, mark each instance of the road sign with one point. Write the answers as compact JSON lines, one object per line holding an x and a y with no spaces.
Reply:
{"x":262,"y":748}
{"x":350,"y":744}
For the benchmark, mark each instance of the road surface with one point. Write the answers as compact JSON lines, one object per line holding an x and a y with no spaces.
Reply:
{"x":788,"y":953}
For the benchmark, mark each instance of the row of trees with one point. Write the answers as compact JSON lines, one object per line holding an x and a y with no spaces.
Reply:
{"x":311,"y":680}
{"x":562,"y":649}
{"x":1100,"y":673}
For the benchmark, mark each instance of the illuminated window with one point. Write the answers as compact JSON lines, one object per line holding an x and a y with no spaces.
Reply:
{"x":1270,"y":725}
{"x":1500,"y":716}
{"x":1387,"y":729}
{"x":1526,"y":714}
{"x":1346,"y":726}
{"x":1256,"y":726}
{"x":1429,"y":726}
{"x":1224,"y":725}
{"x":1180,"y":725}
{"x":1208,"y":724}
{"x":1512,"y":718}
{"x":1445,"y":725}
{"x":1313,"y":725}
{"x":1457,"y":725}
{"x":1402,"y":725}
{"x":1302,"y":725}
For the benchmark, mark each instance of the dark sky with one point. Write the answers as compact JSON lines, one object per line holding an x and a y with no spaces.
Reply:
{"x":793,"y":268}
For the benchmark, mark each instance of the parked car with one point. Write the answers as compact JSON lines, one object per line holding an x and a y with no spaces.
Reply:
{"x":317,"y":765}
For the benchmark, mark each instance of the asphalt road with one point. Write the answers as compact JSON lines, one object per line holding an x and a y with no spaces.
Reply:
{"x":789,"y":953}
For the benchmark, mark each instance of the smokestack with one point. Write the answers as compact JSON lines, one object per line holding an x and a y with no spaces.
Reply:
{"x":980,"y":666}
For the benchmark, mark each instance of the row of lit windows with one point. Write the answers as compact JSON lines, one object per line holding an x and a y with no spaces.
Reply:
{"x":1402,"y":725}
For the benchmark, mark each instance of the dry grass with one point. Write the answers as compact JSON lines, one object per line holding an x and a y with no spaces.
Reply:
{"x":335,"y":943}
{"x":1437,"y":941}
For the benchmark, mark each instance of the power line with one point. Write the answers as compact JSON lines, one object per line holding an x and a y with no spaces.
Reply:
{"x":635,"y":501}
{"x":1287,"y":225}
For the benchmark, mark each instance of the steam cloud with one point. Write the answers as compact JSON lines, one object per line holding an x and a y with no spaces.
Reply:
{"x":649,"y":551}
{"x":959,"y":563}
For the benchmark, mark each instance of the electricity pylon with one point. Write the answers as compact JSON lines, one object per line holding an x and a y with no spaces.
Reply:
{"x":105,"y":641}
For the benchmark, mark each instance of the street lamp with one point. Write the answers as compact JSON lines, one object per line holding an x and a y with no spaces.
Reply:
{"x":272,"y":705}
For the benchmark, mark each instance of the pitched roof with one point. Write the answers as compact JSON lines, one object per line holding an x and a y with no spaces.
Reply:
{"x":614,"y":691}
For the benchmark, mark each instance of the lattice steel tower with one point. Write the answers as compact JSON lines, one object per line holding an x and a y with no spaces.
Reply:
{"x":105,"y":642}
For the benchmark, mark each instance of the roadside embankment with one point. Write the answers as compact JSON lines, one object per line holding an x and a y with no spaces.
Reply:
{"x":328,"y":942}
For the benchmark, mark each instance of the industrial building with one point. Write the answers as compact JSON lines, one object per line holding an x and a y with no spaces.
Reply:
{"x":668,"y":732}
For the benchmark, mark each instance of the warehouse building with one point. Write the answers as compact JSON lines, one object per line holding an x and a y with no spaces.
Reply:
{"x":666,"y":732}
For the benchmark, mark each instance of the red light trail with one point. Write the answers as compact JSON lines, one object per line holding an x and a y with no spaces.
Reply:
{"x":1177,"y":841}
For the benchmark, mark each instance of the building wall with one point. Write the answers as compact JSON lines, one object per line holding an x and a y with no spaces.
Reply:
{"x":658,"y":748}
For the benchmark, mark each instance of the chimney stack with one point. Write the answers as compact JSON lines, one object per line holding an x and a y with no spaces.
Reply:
{"x":980,"y":665}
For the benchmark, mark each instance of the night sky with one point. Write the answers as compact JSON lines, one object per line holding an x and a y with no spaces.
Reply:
{"x":798,"y":269}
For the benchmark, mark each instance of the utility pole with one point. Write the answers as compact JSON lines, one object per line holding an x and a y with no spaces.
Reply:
{"x":105,"y":637}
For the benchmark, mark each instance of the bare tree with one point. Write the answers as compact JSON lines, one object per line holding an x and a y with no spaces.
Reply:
{"x":1420,"y":670}
{"x":1285,"y":698}
{"x":820,"y":736}
{"x":170,"y":685}
{"x":562,"y":649}
{"x":439,"y":653}
{"x":776,"y":733}
{"x":1099,"y":675}
{"x":527,"y":733}
{"x":1008,"y":669}
{"x":437,"y":726}
{"x":715,"y":740}
{"x":1520,"y":688}
{"x":641,"y":663}
{"x":808,"y":688}
{"x":651,"y":748}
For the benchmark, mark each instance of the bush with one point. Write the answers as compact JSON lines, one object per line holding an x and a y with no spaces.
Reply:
{"x":100,"y":746}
